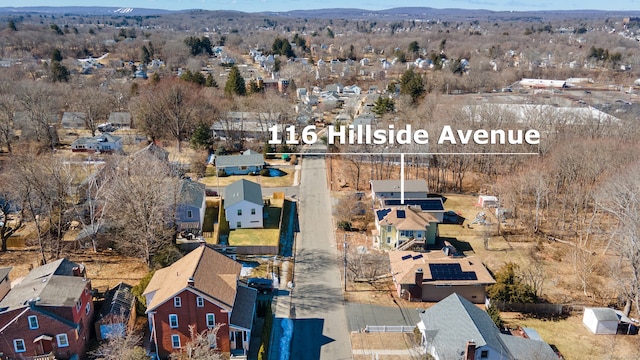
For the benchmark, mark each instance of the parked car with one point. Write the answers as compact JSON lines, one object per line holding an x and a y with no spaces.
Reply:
{"x":210,"y":192}
{"x":264,"y":286}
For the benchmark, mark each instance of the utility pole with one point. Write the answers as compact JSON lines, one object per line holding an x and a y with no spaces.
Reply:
{"x":345,"y":261}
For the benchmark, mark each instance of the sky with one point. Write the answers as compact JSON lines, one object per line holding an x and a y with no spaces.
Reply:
{"x":286,"y":5}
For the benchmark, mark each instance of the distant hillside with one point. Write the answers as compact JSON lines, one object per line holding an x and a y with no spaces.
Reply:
{"x":394,"y":14}
{"x":424,"y":13}
{"x":83,"y":10}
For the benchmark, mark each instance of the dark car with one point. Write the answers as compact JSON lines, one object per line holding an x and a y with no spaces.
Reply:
{"x":210,"y":192}
{"x":264,"y":286}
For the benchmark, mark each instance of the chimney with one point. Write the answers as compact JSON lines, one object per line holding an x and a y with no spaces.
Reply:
{"x":419,"y":277}
{"x":190,"y":281}
{"x":470,"y":350}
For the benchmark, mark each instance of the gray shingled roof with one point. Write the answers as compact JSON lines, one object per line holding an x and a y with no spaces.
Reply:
{"x":191,"y":193}
{"x":53,"y":283}
{"x":527,"y":349}
{"x":247,"y":159}
{"x":120,"y":118}
{"x":4,"y":272}
{"x":242,"y":190}
{"x":244,"y":307}
{"x":605,"y":314}
{"x":394,"y":186}
{"x":454,"y":321}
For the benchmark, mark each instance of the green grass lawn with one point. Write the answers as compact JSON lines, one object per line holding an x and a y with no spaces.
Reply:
{"x":212,"y":181}
{"x":268,"y":236}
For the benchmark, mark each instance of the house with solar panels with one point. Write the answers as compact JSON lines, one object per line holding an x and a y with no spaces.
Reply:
{"x":117,"y":314}
{"x":434,"y":275}
{"x":403,"y":227}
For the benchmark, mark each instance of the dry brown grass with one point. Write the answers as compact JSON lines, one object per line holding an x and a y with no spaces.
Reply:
{"x":575,"y":341}
{"x":104,"y":269}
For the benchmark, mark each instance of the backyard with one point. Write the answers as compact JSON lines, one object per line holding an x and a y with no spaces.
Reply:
{"x":213,"y":181}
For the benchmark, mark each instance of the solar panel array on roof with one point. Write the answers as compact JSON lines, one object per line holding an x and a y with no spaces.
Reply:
{"x":401,"y":214}
{"x":406,"y":257}
{"x":450,"y":272}
{"x":419,"y":256}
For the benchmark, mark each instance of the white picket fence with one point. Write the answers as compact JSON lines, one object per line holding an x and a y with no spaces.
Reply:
{"x":392,"y":329}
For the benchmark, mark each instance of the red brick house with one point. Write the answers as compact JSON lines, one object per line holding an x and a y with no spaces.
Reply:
{"x":48,"y":312}
{"x":202,"y":290}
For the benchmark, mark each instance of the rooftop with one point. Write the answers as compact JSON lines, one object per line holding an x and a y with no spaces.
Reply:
{"x":438,"y":268}
{"x":242,"y":190}
{"x":394,"y":186}
{"x":213,"y":274}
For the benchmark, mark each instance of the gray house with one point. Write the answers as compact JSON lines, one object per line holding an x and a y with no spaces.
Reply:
{"x":455,"y":328}
{"x":246,"y":163}
{"x":73,"y":120}
{"x":192,"y":206}
{"x":120,"y":119}
{"x":390,"y":189}
{"x":104,"y":143}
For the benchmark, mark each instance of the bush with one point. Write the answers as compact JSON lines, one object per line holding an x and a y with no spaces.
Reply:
{"x":494,"y":314}
{"x":222,"y":173}
{"x":141,"y":304}
{"x":344,"y":225}
{"x":265,"y":172}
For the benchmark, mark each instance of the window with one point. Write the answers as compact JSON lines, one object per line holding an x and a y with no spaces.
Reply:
{"x":388,"y":228}
{"x":239,"y":212}
{"x":33,"y":322}
{"x":238,"y":224}
{"x":173,"y":321}
{"x":388,"y":239}
{"x":177,"y":301}
{"x":199,"y":301}
{"x":87,"y":309}
{"x":175,"y":341}
{"x":62,"y":339}
{"x":484,"y":354}
{"x":79,"y":305}
{"x":253,"y":211}
{"x":211,"y":320}
{"x":18,"y":345}
{"x":189,"y":214}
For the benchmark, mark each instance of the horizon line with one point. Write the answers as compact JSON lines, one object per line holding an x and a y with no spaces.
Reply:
{"x":314,"y":9}
{"x":402,"y":153}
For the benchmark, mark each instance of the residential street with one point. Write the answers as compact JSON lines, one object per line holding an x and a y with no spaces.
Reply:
{"x":318,"y":310}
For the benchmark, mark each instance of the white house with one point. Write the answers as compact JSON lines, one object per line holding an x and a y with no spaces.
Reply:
{"x":243,"y":205}
{"x":601,"y":320}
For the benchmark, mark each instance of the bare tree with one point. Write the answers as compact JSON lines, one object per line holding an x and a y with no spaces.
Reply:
{"x":202,"y":346}
{"x":95,"y":104}
{"x":121,"y":345}
{"x":7,"y":129}
{"x":174,"y":106}
{"x":39,"y":101}
{"x":142,"y":194}
{"x":6,"y":228}
{"x":621,"y":199}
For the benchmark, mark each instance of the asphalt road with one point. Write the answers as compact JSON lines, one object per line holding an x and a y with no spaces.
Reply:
{"x":318,"y":309}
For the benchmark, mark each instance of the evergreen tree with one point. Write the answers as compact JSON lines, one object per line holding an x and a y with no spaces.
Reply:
{"x":145,"y":54}
{"x":411,"y":84}
{"x":235,"y":83}
{"x":12,"y":25}
{"x":383,"y":105}
{"x":210,"y":82}
{"x":201,"y":137}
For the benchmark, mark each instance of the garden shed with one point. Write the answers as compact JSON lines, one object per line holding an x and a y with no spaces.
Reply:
{"x":601,"y":320}
{"x":487,"y":201}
